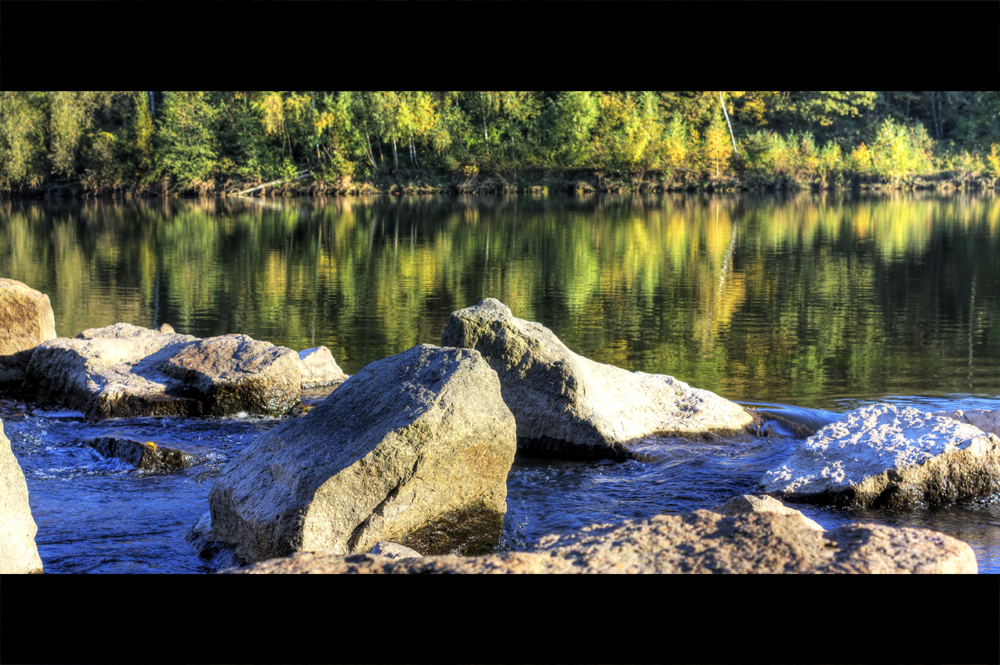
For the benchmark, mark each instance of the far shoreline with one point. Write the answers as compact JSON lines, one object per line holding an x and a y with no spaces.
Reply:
{"x":529,"y":181}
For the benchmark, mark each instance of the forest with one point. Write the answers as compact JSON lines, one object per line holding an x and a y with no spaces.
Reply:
{"x":156,"y":143}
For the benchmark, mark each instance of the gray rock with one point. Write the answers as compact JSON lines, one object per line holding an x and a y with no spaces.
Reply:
{"x":234,"y":373}
{"x":143,"y":455}
{"x":125,"y":371}
{"x":747,"y":503}
{"x":882,"y":455}
{"x":26,"y":320}
{"x":394,"y":550}
{"x":18,"y":553}
{"x":569,"y":406}
{"x":986,"y":420}
{"x":319,"y":368}
{"x":698,"y":542}
{"x":414,"y":449}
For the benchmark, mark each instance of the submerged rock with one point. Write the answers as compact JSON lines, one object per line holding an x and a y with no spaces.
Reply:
{"x":143,"y":455}
{"x":125,"y":371}
{"x":18,"y":553}
{"x":26,"y":320}
{"x":414,"y":449}
{"x":882,"y":455}
{"x":747,"y":503}
{"x":698,"y":542}
{"x":569,"y":406}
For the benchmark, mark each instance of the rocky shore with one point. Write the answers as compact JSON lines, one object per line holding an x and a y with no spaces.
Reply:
{"x":403,"y":467}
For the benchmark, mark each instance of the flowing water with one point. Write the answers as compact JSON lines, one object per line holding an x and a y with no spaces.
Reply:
{"x":807,"y":306}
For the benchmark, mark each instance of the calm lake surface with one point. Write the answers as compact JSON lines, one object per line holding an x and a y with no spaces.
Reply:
{"x":814,"y":303}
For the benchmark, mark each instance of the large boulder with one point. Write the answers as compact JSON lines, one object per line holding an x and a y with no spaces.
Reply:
{"x":569,"y":406}
{"x":698,"y":542}
{"x":882,"y":455}
{"x":26,"y":321}
{"x":18,"y":553}
{"x":414,"y":449}
{"x":125,"y":371}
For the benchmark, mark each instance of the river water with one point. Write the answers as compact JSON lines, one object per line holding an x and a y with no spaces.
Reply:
{"x":812,"y":304}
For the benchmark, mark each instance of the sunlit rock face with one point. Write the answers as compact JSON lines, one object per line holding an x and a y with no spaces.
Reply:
{"x":18,"y":553}
{"x":570,"y":406}
{"x":882,"y":455}
{"x":697,"y":542}
{"x":26,"y":320}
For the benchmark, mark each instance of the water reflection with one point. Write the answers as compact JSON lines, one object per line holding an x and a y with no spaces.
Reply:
{"x":800,"y":301}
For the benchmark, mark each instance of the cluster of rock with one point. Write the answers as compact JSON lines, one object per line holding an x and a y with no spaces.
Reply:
{"x":126,"y":371}
{"x":411,"y":454}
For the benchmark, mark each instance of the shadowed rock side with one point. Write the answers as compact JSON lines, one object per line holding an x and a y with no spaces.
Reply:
{"x":569,"y":406}
{"x":414,"y":449}
{"x":26,"y":320}
{"x":698,"y":542}
{"x":18,"y":553}
{"x":882,"y":455}
{"x":125,"y":371}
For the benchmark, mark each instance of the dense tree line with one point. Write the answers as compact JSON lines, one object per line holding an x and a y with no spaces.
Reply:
{"x":197,"y":140}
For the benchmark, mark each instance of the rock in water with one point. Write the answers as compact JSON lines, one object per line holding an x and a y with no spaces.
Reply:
{"x":698,"y":542}
{"x":319,"y":368}
{"x":125,"y":371}
{"x":414,"y":449}
{"x":570,"y":406}
{"x":882,"y":455}
{"x":747,"y":503}
{"x":18,"y":553}
{"x":233,"y":373}
{"x":143,"y":455}
{"x":26,"y":321}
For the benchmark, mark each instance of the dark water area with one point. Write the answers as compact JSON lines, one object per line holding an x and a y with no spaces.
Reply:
{"x":809,"y":305}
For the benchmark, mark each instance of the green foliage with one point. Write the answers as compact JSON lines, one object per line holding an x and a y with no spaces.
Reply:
{"x":829,"y":159}
{"x":142,"y":138}
{"x":110,"y":139}
{"x":567,"y":124}
{"x":993,"y":161}
{"x":766,"y":153}
{"x":106,"y":163}
{"x":22,"y":139}
{"x":717,"y":145}
{"x":675,"y":142}
{"x":186,"y":136}
{"x":628,"y":133}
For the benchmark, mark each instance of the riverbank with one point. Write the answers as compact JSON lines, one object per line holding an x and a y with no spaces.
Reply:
{"x":533,"y":181}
